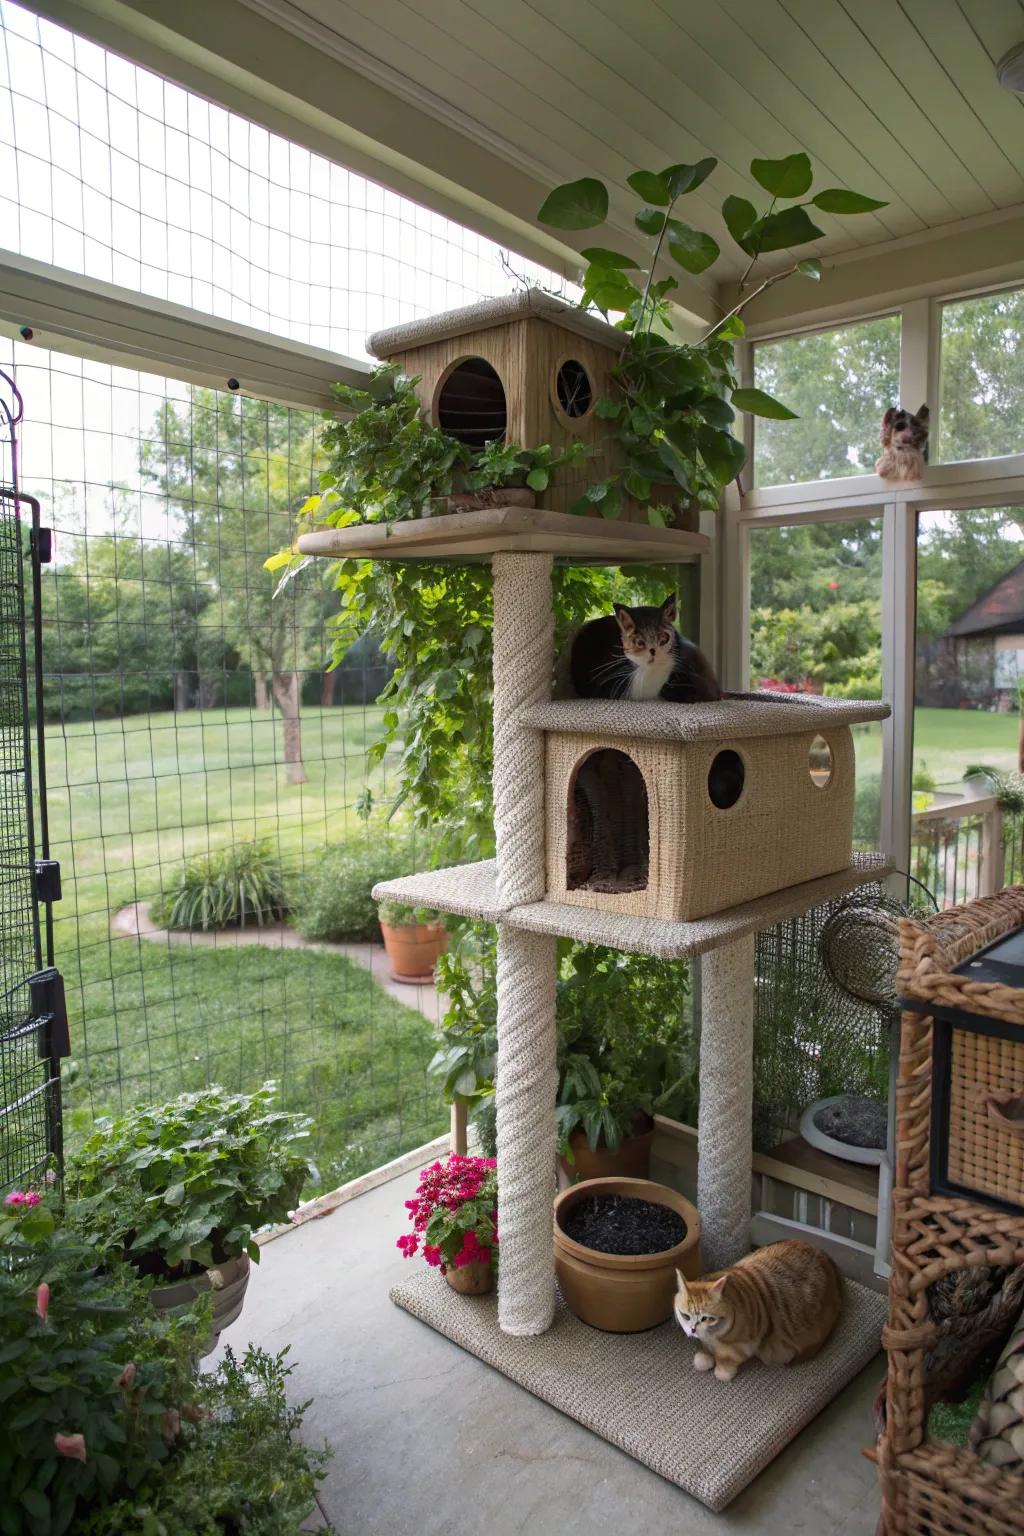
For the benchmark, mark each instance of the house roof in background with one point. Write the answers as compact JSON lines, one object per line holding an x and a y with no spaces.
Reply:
{"x":1000,"y":611}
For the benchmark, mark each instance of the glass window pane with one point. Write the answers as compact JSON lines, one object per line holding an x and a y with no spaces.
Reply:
{"x":815,"y":627}
{"x":839,"y":382}
{"x":969,"y":672}
{"x":982,"y":377}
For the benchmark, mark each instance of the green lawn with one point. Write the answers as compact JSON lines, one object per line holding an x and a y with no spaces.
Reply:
{"x":947,"y":741}
{"x":128,"y":801}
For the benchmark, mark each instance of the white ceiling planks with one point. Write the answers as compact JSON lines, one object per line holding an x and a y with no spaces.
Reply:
{"x":895,"y":98}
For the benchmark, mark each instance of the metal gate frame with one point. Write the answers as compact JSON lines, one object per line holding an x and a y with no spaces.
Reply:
{"x":33,"y":1018}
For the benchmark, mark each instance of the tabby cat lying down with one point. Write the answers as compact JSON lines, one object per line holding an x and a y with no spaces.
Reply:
{"x":778,"y":1303}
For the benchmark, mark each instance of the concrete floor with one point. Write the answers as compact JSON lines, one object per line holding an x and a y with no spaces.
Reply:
{"x":429,"y":1441}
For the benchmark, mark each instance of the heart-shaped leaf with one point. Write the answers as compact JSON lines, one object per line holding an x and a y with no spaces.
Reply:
{"x":687,"y":178}
{"x":716,"y":411}
{"x":656,"y":516}
{"x":756,"y":403}
{"x":791,"y":226}
{"x":538,"y":479}
{"x":839,"y":200}
{"x":652,"y":188}
{"x":602,"y":257}
{"x":694,"y":250}
{"x":790,"y":177}
{"x":723,"y":454}
{"x":576,"y":205}
{"x":739,"y":216}
{"x":810,"y":267}
{"x":732,"y":330}
{"x":650,"y":221}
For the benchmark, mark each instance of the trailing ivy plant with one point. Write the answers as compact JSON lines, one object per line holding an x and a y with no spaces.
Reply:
{"x":676,"y":401}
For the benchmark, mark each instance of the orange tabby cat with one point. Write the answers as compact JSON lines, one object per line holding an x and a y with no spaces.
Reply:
{"x":779,"y":1303}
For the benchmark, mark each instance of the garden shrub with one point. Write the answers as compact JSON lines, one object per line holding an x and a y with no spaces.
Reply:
{"x":229,"y":888}
{"x":333,"y":902}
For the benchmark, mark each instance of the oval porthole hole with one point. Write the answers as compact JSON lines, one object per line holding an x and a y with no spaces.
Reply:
{"x":573,"y":388}
{"x":820,"y":764}
{"x":725,"y":779}
{"x":471,"y":403}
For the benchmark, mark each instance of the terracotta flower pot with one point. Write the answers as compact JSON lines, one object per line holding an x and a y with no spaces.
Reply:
{"x":228,"y":1283}
{"x":630,"y":1160}
{"x":624,"y":1293}
{"x":413,"y":949}
{"x":473,"y":1279}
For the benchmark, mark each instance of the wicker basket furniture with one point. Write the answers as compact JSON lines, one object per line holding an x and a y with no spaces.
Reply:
{"x":936,"y":1489}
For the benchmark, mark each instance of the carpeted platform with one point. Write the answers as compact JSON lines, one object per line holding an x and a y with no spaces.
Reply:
{"x":640,"y":1392}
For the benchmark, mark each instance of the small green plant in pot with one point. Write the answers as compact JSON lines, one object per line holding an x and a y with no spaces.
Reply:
{"x":622,"y":1058}
{"x":414,"y":938}
{"x":178,"y":1190}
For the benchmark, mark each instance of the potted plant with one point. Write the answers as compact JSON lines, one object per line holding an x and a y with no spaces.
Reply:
{"x":621,"y":1047}
{"x":455,"y":1220}
{"x":676,"y":401}
{"x":178,"y":1191}
{"x":618,"y":1245}
{"x":413,"y":938}
{"x":388,"y":463}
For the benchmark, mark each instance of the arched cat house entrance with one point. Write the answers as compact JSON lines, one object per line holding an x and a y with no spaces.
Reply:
{"x":608,"y":834}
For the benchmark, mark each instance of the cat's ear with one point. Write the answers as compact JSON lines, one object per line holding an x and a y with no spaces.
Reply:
{"x":668,"y":608}
{"x":922,"y":415}
{"x":624,"y":617}
{"x":716,"y":1287}
{"x":681,"y":1281}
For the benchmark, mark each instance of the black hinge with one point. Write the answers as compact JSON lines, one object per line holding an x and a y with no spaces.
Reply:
{"x":49,"y":1012}
{"x":47,"y":873}
{"x":42,"y":545}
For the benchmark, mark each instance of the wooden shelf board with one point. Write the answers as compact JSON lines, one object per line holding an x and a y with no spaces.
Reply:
{"x":797,"y":1162}
{"x":478,"y":535}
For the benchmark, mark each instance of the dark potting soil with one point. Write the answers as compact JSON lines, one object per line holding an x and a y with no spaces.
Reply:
{"x":622,"y":1224}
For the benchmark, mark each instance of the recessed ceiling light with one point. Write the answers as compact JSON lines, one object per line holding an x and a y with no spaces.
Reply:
{"x":1010,"y":69}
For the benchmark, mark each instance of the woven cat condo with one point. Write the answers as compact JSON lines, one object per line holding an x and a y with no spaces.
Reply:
{"x":680,"y":811}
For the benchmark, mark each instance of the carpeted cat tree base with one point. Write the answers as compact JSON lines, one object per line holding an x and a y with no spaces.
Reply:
{"x":639,"y":1391}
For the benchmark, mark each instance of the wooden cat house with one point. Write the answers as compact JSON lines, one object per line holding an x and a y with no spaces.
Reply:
{"x":677,"y":811}
{"x":527,"y":368}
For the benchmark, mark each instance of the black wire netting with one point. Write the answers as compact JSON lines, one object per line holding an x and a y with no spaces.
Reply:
{"x":201,"y":754}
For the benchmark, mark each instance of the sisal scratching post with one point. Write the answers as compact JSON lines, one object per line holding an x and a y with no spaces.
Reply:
{"x":724,"y":1138}
{"x":527,"y":1142}
{"x":527,"y":1073}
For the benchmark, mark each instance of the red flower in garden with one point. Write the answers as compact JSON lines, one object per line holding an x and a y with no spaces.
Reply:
{"x":454,"y":1214}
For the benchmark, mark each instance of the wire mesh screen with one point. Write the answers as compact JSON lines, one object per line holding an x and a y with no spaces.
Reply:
{"x":812,"y":1039}
{"x":199,"y":755}
{"x":27,"y":1088}
{"x":109,"y":170}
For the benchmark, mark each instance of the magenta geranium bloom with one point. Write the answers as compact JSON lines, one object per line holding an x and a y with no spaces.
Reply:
{"x":454,"y":1214}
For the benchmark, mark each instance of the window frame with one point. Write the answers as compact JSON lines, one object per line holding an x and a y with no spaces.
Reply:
{"x":952,"y":486}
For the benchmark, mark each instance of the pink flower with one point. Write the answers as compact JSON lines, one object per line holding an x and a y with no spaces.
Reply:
{"x":18,"y":1198}
{"x":42,"y":1301}
{"x":432,"y":1255}
{"x":127,"y":1376}
{"x":71,"y":1446}
{"x":408,"y":1243}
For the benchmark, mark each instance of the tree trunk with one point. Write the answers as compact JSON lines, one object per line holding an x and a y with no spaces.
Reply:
{"x":287,"y":688}
{"x":328,"y":683}
{"x":184,"y":690}
{"x":262,"y":692}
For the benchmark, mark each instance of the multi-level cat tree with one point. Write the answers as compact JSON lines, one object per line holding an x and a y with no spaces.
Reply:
{"x":612,"y":823}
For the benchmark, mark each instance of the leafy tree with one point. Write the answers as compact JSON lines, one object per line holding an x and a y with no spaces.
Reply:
{"x":121,"y":618}
{"x":238,"y":470}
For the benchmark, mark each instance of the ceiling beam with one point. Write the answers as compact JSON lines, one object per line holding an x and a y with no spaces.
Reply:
{"x":266,"y":61}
